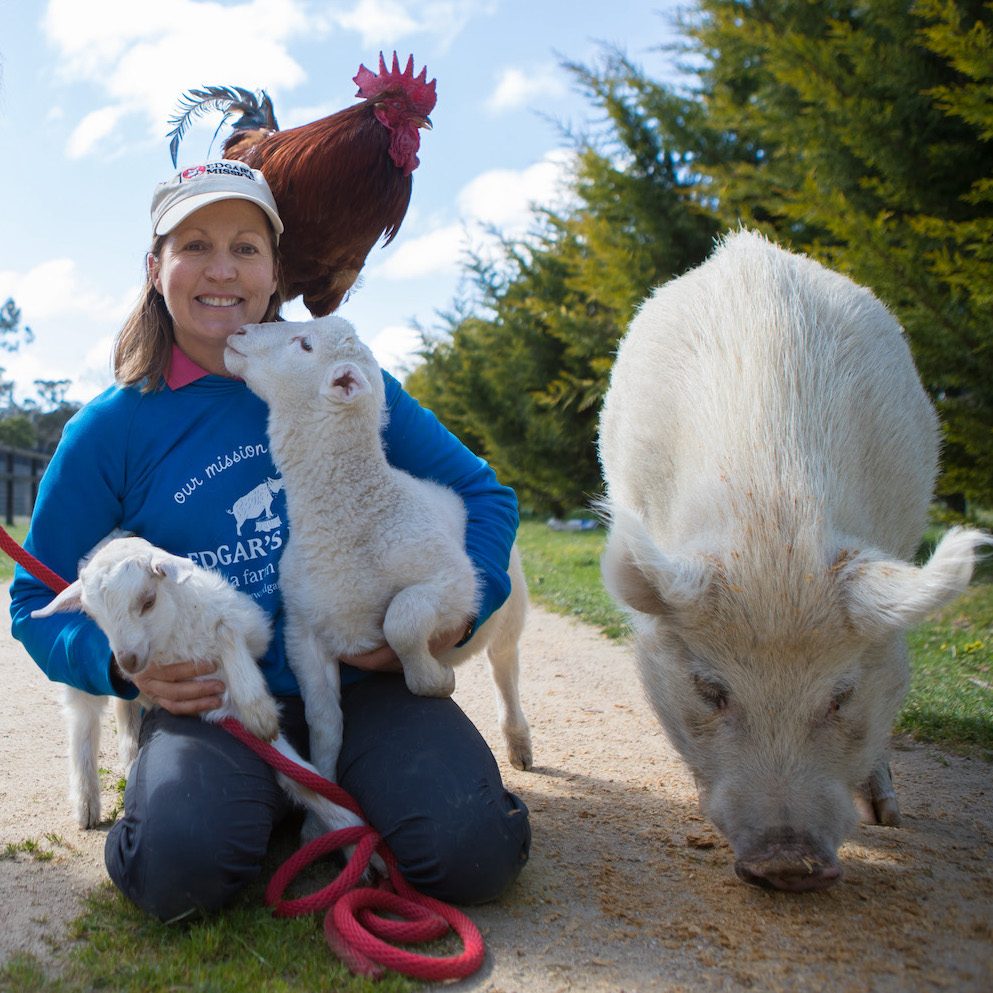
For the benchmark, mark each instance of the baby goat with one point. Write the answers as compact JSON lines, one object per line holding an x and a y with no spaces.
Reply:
{"x":157,"y":607}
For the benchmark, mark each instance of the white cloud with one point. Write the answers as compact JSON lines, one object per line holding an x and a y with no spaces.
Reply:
{"x":92,"y":130}
{"x":142,"y":56}
{"x":394,"y":348}
{"x":385,"y":22}
{"x":54,"y":289}
{"x":437,"y":252}
{"x":69,"y":321}
{"x":518,"y":88}
{"x":502,"y":199}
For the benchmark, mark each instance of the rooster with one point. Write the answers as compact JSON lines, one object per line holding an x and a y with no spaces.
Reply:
{"x":341,"y":183}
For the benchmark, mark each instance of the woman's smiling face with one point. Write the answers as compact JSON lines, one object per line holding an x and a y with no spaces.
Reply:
{"x":216,"y":271}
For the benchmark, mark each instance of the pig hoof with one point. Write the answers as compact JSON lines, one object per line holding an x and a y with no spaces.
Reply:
{"x":876,"y":800}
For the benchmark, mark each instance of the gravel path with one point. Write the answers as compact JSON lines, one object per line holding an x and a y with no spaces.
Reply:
{"x":628,"y":889}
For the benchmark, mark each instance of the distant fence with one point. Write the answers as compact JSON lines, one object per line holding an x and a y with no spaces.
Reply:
{"x":21,"y":470}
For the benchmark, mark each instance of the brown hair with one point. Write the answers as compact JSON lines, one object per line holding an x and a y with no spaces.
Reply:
{"x":143,"y":348}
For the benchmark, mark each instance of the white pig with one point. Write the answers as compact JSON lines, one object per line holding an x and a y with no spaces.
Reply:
{"x":769,"y":455}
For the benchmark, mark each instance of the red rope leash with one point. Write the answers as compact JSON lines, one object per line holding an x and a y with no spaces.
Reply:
{"x":37,"y":569}
{"x":356,"y":935}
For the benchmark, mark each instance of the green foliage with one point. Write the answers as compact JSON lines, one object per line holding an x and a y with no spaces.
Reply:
{"x":522,"y":374}
{"x":863,"y":135}
{"x":35,"y":424}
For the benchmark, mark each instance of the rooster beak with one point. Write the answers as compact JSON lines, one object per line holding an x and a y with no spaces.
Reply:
{"x":426,"y":123}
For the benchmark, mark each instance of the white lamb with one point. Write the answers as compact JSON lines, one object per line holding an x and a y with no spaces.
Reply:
{"x":374,"y":553}
{"x":157,"y":607}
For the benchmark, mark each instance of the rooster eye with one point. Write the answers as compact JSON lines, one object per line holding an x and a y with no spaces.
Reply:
{"x":714,"y":693}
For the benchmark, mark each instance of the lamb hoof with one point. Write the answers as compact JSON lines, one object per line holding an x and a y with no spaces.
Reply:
{"x":440,"y":684}
{"x":261,"y":718}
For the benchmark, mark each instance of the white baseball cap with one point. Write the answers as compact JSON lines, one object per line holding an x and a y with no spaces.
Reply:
{"x":195,"y":187}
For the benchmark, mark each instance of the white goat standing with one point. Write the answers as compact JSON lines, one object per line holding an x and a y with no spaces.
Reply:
{"x":157,"y":607}
{"x":373,"y":553}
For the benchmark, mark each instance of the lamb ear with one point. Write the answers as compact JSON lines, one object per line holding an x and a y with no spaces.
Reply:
{"x":645,"y":579}
{"x":69,"y":599}
{"x":345,"y":382}
{"x":885,"y":595}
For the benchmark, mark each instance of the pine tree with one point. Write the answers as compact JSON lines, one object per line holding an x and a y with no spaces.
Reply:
{"x":860,"y":133}
{"x":525,"y":373}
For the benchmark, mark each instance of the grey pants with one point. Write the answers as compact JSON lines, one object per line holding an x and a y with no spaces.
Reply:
{"x":199,"y":807}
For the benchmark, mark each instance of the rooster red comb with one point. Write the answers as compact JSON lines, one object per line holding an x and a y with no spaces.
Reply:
{"x":419,"y":91}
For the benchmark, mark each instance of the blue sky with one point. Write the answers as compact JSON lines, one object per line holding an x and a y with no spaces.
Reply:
{"x":87,"y":87}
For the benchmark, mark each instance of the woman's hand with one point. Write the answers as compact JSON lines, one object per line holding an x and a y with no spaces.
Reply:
{"x":384,"y":659}
{"x":174,"y":687}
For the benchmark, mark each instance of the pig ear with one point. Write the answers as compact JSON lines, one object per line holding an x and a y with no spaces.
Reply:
{"x":637,"y":574}
{"x":345,"y":382}
{"x":69,"y":599}
{"x":885,"y":595}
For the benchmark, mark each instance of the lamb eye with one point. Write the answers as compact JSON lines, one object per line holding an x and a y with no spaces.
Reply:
{"x":148,"y":601}
{"x":713,"y":693}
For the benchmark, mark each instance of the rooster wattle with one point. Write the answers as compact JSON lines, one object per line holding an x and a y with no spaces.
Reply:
{"x":341,"y":183}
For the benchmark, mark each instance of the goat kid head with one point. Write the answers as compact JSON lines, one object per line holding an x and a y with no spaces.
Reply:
{"x":125,"y":588}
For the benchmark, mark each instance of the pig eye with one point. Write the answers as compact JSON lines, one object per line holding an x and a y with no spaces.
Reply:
{"x":146,"y":604}
{"x":840,"y":698}
{"x":713,"y":693}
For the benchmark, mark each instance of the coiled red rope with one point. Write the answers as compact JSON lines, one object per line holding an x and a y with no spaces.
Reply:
{"x":357,"y":935}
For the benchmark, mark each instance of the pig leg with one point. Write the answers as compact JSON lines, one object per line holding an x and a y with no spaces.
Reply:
{"x":876,"y":799}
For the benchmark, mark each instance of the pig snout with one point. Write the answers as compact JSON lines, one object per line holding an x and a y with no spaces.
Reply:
{"x":785,"y":859}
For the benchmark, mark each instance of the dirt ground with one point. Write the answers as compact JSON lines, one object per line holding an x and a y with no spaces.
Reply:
{"x":628,"y":889}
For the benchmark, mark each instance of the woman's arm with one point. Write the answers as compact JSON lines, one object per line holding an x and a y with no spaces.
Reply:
{"x":78,"y":504}
{"x":418,"y":443}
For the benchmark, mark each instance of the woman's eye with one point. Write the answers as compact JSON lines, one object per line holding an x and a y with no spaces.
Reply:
{"x":248,"y":250}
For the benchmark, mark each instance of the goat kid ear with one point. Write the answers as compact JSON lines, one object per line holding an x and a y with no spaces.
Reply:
{"x":68,"y":600}
{"x":345,"y":382}
{"x":168,"y":567}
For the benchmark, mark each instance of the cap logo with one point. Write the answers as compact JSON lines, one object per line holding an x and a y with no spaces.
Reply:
{"x":225,"y":168}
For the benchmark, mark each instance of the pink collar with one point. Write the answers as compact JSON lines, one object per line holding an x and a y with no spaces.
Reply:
{"x":183,"y":370}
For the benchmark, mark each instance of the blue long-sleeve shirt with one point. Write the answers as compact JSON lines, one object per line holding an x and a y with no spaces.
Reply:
{"x":189,"y":470}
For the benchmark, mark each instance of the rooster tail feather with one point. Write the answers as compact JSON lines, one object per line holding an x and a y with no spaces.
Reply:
{"x":255,"y":109}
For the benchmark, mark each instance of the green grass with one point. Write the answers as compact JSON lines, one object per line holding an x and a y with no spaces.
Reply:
{"x":18,"y":531}
{"x":563,"y":574}
{"x":118,"y":948}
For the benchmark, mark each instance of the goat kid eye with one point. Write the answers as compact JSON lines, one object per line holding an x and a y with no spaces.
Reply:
{"x":839,"y":700}
{"x":146,"y":605}
{"x":306,"y":345}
